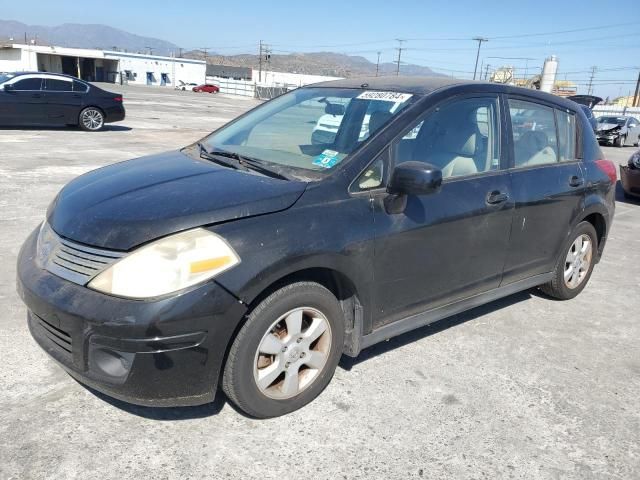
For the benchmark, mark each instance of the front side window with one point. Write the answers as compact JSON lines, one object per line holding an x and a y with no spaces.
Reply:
{"x":309,"y":129}
{"x":566,"y":136}
{"x":461,"y":138}
{"x":28,"y":84}
{"x":54,"y":85}
{"x":534,"y":133}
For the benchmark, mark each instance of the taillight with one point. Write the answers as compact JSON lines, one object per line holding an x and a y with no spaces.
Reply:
{"x":117,"y":99}
{"x":607,"y":167}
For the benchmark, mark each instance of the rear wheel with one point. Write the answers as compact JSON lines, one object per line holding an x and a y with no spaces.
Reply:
{"x":286,"y":352}
{"x":574,"y":268}
{"x":91,"y":119}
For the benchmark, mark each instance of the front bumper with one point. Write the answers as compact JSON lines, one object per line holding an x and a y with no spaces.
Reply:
{"x":630,"y":180}
{"x":607,"y":137}
{"x":161,"y":352}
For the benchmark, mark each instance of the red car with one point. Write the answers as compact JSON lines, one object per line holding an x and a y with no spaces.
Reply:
{"x":206,"y":88}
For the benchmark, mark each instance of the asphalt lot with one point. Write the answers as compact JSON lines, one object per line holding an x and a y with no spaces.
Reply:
{"x":523,"y":388}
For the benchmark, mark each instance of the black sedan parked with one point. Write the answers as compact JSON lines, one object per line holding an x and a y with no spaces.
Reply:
{"x":255,"y":258}
{"x":28,"y":99}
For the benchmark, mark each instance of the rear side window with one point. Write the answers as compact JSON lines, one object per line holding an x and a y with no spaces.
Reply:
{"x":54,"y":85}
{"x":28,"y":84}
{"x":534,"y":133}
{"x":566,"y":136}
{"x":79,"y":87}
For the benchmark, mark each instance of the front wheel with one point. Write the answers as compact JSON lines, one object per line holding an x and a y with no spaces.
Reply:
{"x":286,"y":352}
{"x":619,"y":142}
{"x":574,"y":268}
{"x":91,"y":119}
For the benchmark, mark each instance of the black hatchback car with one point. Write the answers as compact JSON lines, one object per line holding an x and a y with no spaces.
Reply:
{"x":28,"y":99}
{"x":255,"y":258}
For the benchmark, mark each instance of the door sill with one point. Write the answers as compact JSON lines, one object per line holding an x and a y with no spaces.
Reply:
{"x":430,"y":316}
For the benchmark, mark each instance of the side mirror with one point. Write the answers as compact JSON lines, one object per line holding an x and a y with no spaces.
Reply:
{"x":415,"y":178}
{"x":632,"y":125}
{"x":8,"y":87}
{"x":334,"y":109}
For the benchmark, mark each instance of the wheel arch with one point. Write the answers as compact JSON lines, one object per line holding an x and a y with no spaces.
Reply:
{"x":597,"y":215}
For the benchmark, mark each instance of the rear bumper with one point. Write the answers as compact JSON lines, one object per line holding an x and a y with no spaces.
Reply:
{"x":164,"y":352}
{"x":114,"y":114}
{"x":630,"y":180}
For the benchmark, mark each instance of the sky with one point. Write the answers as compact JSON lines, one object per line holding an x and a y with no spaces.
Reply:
{"x":439,"y":34}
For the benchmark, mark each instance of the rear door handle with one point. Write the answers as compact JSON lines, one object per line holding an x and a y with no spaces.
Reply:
{"x":575,"y":181}
{"x":495,"y":197}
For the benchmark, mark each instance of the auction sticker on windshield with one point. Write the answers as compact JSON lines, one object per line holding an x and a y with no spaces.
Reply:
{"x":327,"y":159}
{"x":385,"y":96}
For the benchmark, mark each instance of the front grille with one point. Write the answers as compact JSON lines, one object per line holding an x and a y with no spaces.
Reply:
{"x":59,"y":337}
{"x":73,"y":261}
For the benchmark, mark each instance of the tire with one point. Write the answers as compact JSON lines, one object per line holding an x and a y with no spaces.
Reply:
{"x":91,"y":119}
{"x":563,"y":289}
{"x":265,"y":355}
{"x":619,"y":142}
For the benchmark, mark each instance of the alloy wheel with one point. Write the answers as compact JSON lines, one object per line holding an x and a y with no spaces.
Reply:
{"x":292,"y":353}
{"x":92,"y":119}
{"x":578,"y":261}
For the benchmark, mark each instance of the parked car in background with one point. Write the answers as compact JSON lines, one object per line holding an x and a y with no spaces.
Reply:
{"x":630,"y":176}
{"x":256,"y":259}
{"x":206,"y":88}
{"x":618,"y":130}
{"x":185,"y":86}
{"x":587,"y":102}
{"x":56,"y":99}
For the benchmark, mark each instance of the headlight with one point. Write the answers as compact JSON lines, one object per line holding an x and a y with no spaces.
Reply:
{"x":167,"y":265}
{"x":634,"y":161}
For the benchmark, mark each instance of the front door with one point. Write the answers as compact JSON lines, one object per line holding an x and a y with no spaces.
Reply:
{"x":548,"y":187}
{"x":22,"y":105}
{"x":452,"y":244}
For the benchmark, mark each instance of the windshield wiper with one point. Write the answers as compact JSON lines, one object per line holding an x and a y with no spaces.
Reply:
{"x":241,"y":162}
{"x":215,"y":157}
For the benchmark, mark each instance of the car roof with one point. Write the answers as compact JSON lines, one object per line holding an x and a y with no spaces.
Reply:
{"x":427,"y":85}
{"x":416,"y":85}
{"x":45,"y":74}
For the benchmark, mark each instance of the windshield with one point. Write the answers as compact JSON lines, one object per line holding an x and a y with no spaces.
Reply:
{"x":5,"y":76}
{"x":309,"y":129}
{"x":615,"y":120}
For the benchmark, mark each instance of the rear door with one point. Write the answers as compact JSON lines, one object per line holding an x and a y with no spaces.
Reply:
{"x":548,"y":186}
{"x":452,"y":244}
{"x":62,"y":103}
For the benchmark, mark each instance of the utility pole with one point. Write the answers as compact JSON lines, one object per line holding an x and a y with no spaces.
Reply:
{"x":180,"y":52}
{"x":479,"y":40}
{"x":486,"y":71}
{"x":204,"y":50}
{"x":593,"y":74}
{"x":378,"y":64}
{"x":399,"y":48}
{"x":260,"y":65}
{"x":150,"y":50}
{"x":635,"y":96}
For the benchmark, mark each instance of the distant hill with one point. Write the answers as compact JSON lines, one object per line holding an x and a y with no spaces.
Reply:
{"x":83,"y":36}
{"x":316,"y":63}
{"x":105,"y":37}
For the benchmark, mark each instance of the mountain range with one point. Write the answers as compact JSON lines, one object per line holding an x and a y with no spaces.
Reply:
{"x":106,"y":37}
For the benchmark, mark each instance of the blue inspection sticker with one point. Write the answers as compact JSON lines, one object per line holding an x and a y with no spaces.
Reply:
{"x":327,"y":159}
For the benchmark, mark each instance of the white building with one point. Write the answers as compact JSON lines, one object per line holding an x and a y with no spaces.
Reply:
{"x":102,"y":65}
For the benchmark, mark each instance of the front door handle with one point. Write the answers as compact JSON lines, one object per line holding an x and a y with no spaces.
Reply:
{"x":575,"y":181}
{"x":496,"y":197}
{"x":36,"y":95}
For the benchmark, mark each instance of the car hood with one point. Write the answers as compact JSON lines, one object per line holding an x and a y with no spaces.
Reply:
{"x":606,"y":126}
{"x":129,"y":203}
